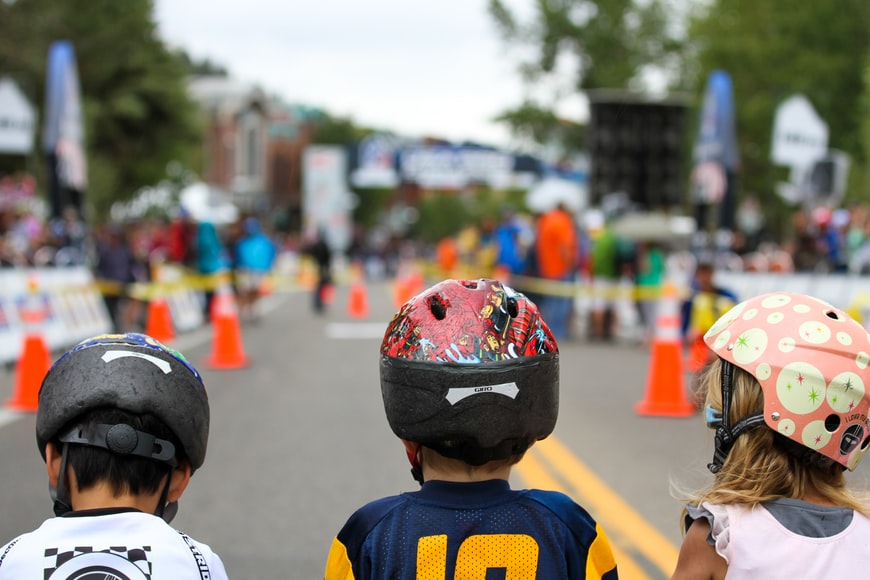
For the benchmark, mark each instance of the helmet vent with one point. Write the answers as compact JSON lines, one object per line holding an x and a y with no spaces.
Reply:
{"x":438,"y":308}
{"x":832,"y":423}
{"x":512,"y":307}
{"x":832,"y":314}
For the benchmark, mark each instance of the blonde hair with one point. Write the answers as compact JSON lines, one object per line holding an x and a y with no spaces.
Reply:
{"x":760,"y":466}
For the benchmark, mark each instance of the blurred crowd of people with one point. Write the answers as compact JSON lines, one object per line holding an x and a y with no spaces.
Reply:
{"x":546,"y":255}
{"x":550,"y":253}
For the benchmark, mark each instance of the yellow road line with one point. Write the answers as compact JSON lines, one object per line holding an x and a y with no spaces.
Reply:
{"x":616,"y":516}
{"x":536,"y":475}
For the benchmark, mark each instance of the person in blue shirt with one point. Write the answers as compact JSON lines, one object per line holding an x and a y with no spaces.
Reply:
{"x":510,"y":254}
{"x":254,"y":255}
{"x":469,"y":376}
{"x":211,"y":259}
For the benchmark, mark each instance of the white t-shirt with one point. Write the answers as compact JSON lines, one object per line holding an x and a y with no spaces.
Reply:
{"x":111,"y":544}
{"x":796,"y":544}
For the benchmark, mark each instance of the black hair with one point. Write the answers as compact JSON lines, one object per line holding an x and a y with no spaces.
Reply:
{"x":123,"y":473}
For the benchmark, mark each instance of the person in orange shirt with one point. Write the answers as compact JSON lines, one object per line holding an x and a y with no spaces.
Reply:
{"x":556,"y":248}
{"x":447,"y":255}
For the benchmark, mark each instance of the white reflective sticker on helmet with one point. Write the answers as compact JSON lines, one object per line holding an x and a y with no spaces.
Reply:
{"x":454,"y":395}
{"x":111,"y":355}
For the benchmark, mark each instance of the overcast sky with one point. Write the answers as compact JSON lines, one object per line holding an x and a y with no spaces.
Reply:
{"x":418,"y":68}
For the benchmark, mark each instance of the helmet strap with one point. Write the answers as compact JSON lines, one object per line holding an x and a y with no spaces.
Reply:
{"x":726,"y":434}
{"x":59,"y":495}
{"x":166,"y":510}
{"x":416,"y":460}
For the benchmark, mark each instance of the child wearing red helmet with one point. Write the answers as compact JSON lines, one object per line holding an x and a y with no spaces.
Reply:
{"x":470,"y":380}
{"x":788,"y":399}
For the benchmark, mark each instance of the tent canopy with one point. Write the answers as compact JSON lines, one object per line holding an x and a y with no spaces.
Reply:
{"x":207,"y":203}
{"x":551,"y":191}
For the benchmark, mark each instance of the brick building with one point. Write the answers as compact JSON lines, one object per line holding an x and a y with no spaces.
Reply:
{"x":253,"y":146}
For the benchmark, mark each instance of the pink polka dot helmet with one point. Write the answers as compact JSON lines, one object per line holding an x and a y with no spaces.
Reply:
{"x":811,"y":360}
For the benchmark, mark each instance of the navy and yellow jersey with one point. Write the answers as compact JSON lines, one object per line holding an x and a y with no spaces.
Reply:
{"x":461,"y":531}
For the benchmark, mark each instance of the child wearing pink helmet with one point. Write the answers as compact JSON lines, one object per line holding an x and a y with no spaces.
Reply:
{"x":788,"y":400}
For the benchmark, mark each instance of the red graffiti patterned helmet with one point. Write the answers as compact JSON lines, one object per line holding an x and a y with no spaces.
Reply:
{"x":470,"y":369}
{"x":811,"y":360}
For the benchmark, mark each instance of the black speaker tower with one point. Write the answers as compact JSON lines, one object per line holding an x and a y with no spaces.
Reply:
{"x":635,"y":146}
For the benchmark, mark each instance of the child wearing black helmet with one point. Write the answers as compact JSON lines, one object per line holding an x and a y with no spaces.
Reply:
{"x":470,"y":380}
{"x":122,"y":424}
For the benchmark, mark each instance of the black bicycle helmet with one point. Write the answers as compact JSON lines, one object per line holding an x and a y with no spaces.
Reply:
{"x":470,"y":369}
{"x":130,"y":372}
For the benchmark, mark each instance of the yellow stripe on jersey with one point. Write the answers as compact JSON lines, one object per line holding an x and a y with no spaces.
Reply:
{"x":600,"y":559}
{"x":338,"y":565}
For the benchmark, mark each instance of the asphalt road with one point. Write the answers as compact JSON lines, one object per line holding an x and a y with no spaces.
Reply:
{"x":299,"y":440}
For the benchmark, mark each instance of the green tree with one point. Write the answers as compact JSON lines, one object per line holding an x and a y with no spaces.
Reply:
{"x":773,"y":50}
{"x":138,"y":116}
{"x":861,"y":176}
{"x":588,"y":44}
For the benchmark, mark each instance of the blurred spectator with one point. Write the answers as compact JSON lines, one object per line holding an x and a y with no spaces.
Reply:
{"x":605,"y":270}
{"x":255,"y":255}
{"x":69,"y":233}
{"x":114,"y":271}
{"x":487,"y":248}
{"x":447,"y":256}
{"x":509,"y":249}
{"x":467,"y":242}
{"x":556,"y":250}
{"x":321,"y":253}
{"x":181,"y":239}
{"x":750,"y":223}
{"x":705,"y":305}
{"x":803,"y":244}
{"x":856,"y":231}
{"x":650,"y":275}
{"x":211,"y":259}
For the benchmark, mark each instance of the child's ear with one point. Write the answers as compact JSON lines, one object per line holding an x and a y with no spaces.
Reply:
{"x":180,"y":479}
{"x":53,"y":459}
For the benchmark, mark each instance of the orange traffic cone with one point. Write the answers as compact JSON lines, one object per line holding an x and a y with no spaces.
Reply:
{"x":401,"y":291}
{"x":357,"y":301}
{"x":416,"y":282}
{"x":35,"y":359}
{"x":31,"y":369}
{"x":158,"y":325}
{"x":227,"y":350}
{"x":665,"y":387}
